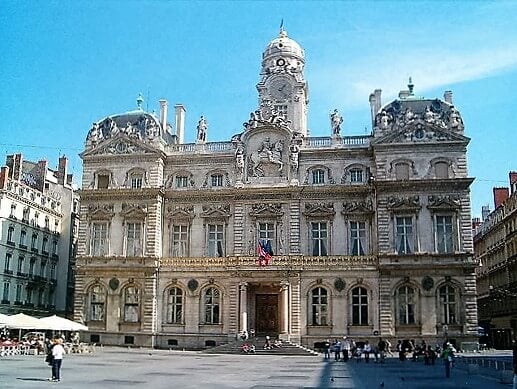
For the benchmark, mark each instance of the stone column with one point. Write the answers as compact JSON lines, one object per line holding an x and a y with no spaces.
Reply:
{"x":284,"y":291}
{"x":244,"y":306}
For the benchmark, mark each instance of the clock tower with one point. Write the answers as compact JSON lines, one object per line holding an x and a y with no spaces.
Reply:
{"x":282,"y":85}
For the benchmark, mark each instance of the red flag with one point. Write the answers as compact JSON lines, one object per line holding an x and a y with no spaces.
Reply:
{"x":263,"y":256}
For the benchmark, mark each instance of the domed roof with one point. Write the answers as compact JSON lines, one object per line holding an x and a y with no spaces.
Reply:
{"x":283,"y":45}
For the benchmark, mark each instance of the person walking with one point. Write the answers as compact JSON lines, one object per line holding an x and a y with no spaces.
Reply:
{"x":515,"y":363}
{"x":326,"y":349}
{"x":57,"y":353}
{"x":346,"y":348}
{"x":337,"y":350}
{"x":382,"y":349}
{"x":367,"y":350}
{"x":448,"y":357}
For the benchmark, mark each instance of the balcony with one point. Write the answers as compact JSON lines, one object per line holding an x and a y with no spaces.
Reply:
{"x":17,"y":303}
{"x":34,"y":249}
{"x":55,"y":256}
{"x":6,"y":302}
{"x":22,"y":246}
{"x":44,"y":253}
{"x":8,"y":272}
{"x":11,"y":243}
{"x":29,"y":305}
{"x":21,"y":274}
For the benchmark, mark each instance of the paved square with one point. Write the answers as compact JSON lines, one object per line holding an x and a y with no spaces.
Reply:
{"x":134,"y":368}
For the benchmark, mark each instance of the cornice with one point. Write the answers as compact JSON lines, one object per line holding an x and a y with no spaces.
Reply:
{"x":424,"y":184}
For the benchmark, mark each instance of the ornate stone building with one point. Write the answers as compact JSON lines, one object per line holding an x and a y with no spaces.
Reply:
{"x":370,"y":234}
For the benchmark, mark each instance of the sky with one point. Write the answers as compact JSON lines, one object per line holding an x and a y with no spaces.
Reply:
{"x":67,"y":64}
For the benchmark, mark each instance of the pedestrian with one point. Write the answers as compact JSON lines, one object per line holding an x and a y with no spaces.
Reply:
{"x":515,"y":363}
{"x":326,"y":349}
{"x":49,"y":358}
{"x":57,"y":353}
{"x":346,"y":348}
{"x":448,"y":358}
{"x":337,"y":350}
{"x":401,"y":351}
{"x":367,"y":351}
{"x":382,"y":349}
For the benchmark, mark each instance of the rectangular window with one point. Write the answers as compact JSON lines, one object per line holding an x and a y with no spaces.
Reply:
{"x":7,"y":263}
{"x":215,"y":240}
{"x":43,"y":269}
{"x":23,"y":239}
{"x":441,"y":170}
{"x":181,"y":181}
{"x":179,"y":242}
{"x":10,"y":235}
{"x":18,"y":293}
{"x":357,"y":238}
{"x":44,"y":244}
{"x":444,"y":234}
{"x":216,"y":179}
{"x":21,"y":261}
{"x":266,"y":233}
{"x":54,"y":247}
{"x":32,"y":263}
{"x":404,"y":235}
{"x":136,"y":181}
{"x":53,"y":271}
{"x":6,"y":291}
{"x":356,"y":175}
{"x":318,"y":176}
{"x":34,"y":242}
{"x":319,"y":238}
{"x":99,"y":236}
{"x":402,"y":171}
{"x":134,"y":239}
{"x":103,"y":181}
{"x":29,"y":296}
{"x":281,"y":110}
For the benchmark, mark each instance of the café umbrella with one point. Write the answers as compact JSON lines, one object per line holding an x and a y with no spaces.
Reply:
{"x":57,"y":323}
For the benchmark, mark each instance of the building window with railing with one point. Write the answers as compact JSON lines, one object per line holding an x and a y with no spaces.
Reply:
{"x":175,"y":306}
{"x":5,"y":295}
{"x":99,"y":245}
{"x":444,"y":233}
{"x":43,"y":269}
{"x":44,"y":245}
{"x":10,"y":235}
{"x":19,"y":293}
{"x":359,"y":306}
{"x":319,"y":239}
{"x":28,"y":299}
{"x":34,"y":242}
{"x":215,"y":240}
{"x":266,"y":235}
{"x":32,"y":264}
{"x":7,"y":262}
{"x":179,"y":246}
{"x":212,"y":301}
{"x":134,"y":239}
{"x":319,"y":307}
{"x":21,"y":263}
{"x":358,"y":242}
{"x":404,"y":238}
{"x":23,"y":239}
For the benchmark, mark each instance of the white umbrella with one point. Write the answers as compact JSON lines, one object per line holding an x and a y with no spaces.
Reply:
{"x":24,"y":321}
{"x":57,"y":323}
{"x":5,"y":320}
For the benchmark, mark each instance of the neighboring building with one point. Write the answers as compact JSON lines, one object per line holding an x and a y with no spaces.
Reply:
{"x":371,"y":235}
{"x":495,"y":246}
{"x":38,"y":221}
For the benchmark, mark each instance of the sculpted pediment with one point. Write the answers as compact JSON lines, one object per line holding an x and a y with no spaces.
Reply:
{"x":180,"y":212}
{"x":420,"y":132}
{"x":266,"y":210}
{"x":216,"y":211}
{"x":138,"y":211}
{"x":101,"y":211}
{"x":447,"y":202}
{"x":357,"y":207}
{"x":120,"y":145}
{"x":325,"y":210}
{"x":404,"y":203}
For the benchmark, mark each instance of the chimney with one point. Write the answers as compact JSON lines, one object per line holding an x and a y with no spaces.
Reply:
{"x":375,"y":103}
{"x":42,"y":174}
{"x":15,"y":162}
{"x":447,"y":96}
{"x":513,"y":182}
{"x":180,"y":122}
{"x":500,"y":196}
{"x":485,"y":211}
{"x":163,"y":113}
{"x":4,"y":175}
{"x":62,"y":170}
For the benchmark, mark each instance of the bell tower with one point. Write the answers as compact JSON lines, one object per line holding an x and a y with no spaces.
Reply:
{"x":282,"y":85}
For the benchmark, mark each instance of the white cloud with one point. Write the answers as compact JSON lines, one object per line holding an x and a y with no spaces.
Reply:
{"x":351,"y":84}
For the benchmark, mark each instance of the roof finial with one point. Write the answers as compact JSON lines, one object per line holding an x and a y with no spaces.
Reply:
{"x":283,"y":33}
{"x":139,"y":101}
{"x":410,"y":86}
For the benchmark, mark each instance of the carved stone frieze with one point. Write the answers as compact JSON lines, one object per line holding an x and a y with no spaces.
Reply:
{"x":136,"y":210}
{"x":180,"y":211}
{"x":443,"y":202}
{"x":356,"y":207}
{"x":408,"y":202}
{"x":101,"y":210}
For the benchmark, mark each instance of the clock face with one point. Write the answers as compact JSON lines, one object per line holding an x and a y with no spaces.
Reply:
{"x":281,"y":90}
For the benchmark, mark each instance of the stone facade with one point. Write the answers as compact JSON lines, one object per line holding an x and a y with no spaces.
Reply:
{"x":495,"y":247}
{"x":38,"y":224}
{"x":370,"y":235}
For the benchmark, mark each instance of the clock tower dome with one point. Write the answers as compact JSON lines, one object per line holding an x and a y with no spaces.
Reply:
{"x":282,"y":84}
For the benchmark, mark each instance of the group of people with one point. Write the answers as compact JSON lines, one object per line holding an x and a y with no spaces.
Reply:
{"x":347,"y":348}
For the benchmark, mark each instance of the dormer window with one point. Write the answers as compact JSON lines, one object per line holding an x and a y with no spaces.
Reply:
{"x":318,"y":176}
{"x":216,"y":180}
{"x":181,"y":181}
{"x":356,"y":176}
{"x":136,"y":180}
{"x":441,"y":170}
{"x":402,"y":171}
{"x":103,"y":181}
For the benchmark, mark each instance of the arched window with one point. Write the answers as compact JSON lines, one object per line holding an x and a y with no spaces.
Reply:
{"x":175,"y":306}
{"x":131,"y":304}
{"x":97,"y":303}
{"x":319,"y":307}
{"x":318,"y":176}
{"x":441,"y":170}
{"x":10,"y":234}
{"x":359,"y":306}
{"x":448,"y":305}
{"x":406,"y":305}
{"x":212,"y":305}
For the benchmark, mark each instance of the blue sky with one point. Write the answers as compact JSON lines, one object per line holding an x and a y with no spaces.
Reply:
{"x":66,"y":64}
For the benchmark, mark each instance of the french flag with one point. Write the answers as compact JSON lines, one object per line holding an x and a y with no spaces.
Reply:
{"x":265,"y":253}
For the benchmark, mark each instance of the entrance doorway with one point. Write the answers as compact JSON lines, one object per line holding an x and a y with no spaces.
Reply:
{"x":266,"y":314}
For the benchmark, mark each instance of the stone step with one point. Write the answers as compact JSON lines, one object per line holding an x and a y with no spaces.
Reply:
{"x":287,"y":348}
